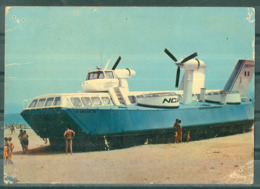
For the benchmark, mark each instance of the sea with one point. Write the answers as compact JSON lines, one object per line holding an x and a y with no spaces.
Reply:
{"x":14,"y":118}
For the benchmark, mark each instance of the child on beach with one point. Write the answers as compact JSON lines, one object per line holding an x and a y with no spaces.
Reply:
{"x":6,"y":146}
{"x":6,"y":151}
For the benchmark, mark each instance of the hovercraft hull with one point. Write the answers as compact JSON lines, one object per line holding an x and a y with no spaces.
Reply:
{"x":110,"y":127}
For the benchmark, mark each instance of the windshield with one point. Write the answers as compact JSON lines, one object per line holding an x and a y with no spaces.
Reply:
{"x":95,"y":75}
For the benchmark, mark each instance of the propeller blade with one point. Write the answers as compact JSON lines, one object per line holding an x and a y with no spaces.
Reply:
{"x":189,"y":57}
{"x":116,"y":63}
{"x":177,"y":77}
{"x":170,"y":55}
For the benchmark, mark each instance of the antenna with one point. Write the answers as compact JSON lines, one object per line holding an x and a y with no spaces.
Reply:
{"x":107,"y":63}
{"x":101,"y":59}
{"x":96,"y":59}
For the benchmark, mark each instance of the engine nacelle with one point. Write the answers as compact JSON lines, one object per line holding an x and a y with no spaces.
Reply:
{"x":192,"y":64}
{"x":124,"y":73}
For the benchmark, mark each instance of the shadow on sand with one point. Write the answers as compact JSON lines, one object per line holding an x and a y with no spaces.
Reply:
{"x":42,"y":150}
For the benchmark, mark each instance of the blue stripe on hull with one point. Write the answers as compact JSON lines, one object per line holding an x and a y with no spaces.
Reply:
{"x":116,"y":120}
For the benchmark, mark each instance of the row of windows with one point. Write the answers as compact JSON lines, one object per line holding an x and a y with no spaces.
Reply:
{"x":76,"y":101}
{"x":79,"y":101}
{"x":87,"y":101}
{"x":39,"y":103}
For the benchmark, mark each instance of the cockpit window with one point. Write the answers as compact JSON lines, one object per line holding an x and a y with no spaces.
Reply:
{"x":33,"y":104}
{"x":109,"y":74}
{"x":96,"y":75}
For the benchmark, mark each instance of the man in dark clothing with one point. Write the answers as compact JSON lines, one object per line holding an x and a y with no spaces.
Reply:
{"x":20,"y":136}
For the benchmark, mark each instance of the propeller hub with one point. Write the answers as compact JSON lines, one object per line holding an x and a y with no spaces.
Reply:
{"x":193,"y":64}
{"x":186,"y":63}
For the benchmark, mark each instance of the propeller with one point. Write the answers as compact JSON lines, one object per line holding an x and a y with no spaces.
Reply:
{"x":179,"y":64}
{"x":116,"y":63}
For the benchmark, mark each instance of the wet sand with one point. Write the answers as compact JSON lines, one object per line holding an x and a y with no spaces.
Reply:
{"x":223,"y":160}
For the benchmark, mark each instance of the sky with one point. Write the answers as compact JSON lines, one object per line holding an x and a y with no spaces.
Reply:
{"x":51,"y":49}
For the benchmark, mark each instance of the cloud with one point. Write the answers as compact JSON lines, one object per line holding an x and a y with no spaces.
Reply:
{"x":11,"y":77}
{"x":7,"y":30}
{"x":17,"y":64}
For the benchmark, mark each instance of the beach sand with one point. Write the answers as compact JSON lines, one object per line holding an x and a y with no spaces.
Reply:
{"x":223,"y":160}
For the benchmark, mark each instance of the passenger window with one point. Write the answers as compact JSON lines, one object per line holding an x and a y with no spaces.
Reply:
{"x":49,"y":102}
{"x":41,"y":102}
{"x":132,"y":99}
{"x":96,"y":101}
{"x":75,"y":101}
{"x":57,"y":101}
{"x":33,"y":104}
{"x":106,"y":100}
{"x":86,"y":101}
{"x":109,"y":74}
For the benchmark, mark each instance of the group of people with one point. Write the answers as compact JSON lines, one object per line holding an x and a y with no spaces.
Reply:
{"x":24,"y":140}
{"x":8,"y":150}
{"x":178,"y":132}
{"x":69,"y":136}
{"x":12,"y":127}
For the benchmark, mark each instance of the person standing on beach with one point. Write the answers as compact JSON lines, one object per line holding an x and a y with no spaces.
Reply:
{"x":11,"y":147}
{"x":12,"y":128}
{"x":179,"y":131}
{"x":25,"y":141}
{"x":175,"y":127}
{"x":69,"y":136}
{"x":20,"y":136}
